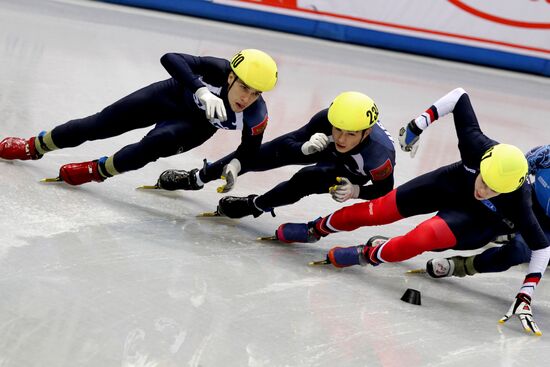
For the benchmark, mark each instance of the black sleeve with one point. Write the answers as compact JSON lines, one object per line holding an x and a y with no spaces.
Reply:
{"x":377,"y":188}
{"x":529,"y":226}
{"x":472,"y":143}
{"x":249,"y":147}
{"x":317,"y":124}
{"x":187,"y":69}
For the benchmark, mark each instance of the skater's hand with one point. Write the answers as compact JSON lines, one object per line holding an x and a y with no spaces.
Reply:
{"x":522,"y":308}
{"x":213,"y":105}
{"x":408,"y":138}
{"x":344,"y":190}
{"x":315,"y":144}
{"x":229,"y":174}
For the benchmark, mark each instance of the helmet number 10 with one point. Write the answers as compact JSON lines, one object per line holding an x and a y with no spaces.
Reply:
{"x":237,"y":59}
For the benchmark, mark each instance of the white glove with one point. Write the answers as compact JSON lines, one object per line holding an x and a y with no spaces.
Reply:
{"x":315,"y":144}
{"x":213,"y":105}
{"x":229,"y":174}
{"x":522,"y":308}
{"x":409,"y":138}
{"x":344,"y":190}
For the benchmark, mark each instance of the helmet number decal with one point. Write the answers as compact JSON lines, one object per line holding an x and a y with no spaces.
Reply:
{"x":372,"y":114}
{"x":237,"y":60}
{"x":488,"y":153}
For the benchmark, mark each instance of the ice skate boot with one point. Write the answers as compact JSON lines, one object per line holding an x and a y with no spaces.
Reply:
{"x":458,"y":266}
{"x":298,"y":232}
{"x":173,"y":179}
{"x":440,"y":268}
{"x":376,"y":241}
{"x":239,"y":206}
{"x":18,"y":148}
{"x":342,"y":257}
{"x":80,"y":173}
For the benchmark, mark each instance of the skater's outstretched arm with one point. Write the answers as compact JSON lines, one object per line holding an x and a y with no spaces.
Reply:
{"x":472,"y":142}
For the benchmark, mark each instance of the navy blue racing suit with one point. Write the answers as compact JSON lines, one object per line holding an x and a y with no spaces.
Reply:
{"x":516,"y":251}
{"x":373,"y":160}
{"x":462,"y":222}
{"x":178,"y":116}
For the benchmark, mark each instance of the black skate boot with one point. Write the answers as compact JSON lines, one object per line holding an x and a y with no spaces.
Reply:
{"x":239,"y":206}
{"x":173,"y":179}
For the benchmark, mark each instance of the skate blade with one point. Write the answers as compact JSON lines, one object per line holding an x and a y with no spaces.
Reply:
{"x":148,"y":187}
{"x":416,"y":271}
{"x":209,"y":214}
{"x":51,"y":179}
{"x":267,"y":238}
{"x":319,"y":262}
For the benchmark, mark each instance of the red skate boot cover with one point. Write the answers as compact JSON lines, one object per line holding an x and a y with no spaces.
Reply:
{"x":18,"y":148}
{"x":80,"y":173}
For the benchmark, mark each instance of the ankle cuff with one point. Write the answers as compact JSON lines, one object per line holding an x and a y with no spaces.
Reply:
{"x":198,"y":181}
{"x":469,"y":266}
{"x":101,"y":162}
{"x":44,"y":142}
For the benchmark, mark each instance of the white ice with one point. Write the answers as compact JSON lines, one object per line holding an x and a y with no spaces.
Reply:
{"x":104,"y":275}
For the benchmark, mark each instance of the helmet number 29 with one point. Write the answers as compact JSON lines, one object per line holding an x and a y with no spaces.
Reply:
{"x":372,"y":114}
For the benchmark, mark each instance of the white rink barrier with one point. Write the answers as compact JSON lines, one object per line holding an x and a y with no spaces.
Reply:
{"x":508,"y":34}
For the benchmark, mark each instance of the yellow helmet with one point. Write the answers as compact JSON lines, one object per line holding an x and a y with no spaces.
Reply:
{"x":352,"y":111}
{"x":255,"y":68}
{"x":503,"y":168}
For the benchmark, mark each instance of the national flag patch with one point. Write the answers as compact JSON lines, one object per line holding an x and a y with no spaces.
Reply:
{"x":258,"y":129}
{"x":382,"y":172}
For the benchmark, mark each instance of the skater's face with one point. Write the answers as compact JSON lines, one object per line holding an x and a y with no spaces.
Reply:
{"x":482,"y":191}
{"x":240,"y":95}
{"x":347,"y":140}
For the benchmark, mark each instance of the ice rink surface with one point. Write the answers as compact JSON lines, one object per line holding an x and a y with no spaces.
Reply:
{"x":104,"y":275}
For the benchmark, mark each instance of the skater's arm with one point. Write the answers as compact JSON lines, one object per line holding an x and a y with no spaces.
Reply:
{"x":316,"y":133}
{"x":249,"y":147}
{"x":377,"y":188}
{"x":526,"y":220}
{"x":255,"y":121}
{"x":534,"y":237}
{"x":538,"y":158}
{"x":521,"y":306}
{"x":188,"y":69}
{"x":472,"y":142}
{"x":378,"y":167}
